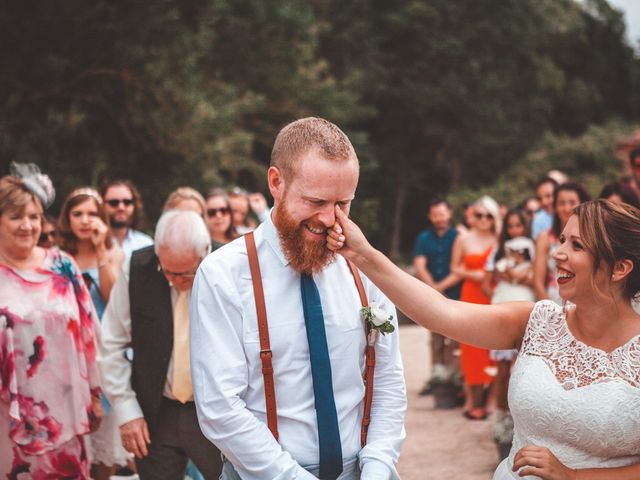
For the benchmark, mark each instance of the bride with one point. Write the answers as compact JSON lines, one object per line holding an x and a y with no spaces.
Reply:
{"x":575,"y":387}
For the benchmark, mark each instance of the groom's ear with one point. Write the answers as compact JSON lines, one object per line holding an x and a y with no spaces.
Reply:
{"x":276,"y":183}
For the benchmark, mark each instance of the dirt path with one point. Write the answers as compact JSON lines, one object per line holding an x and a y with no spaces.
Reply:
{"x":440,"y":444}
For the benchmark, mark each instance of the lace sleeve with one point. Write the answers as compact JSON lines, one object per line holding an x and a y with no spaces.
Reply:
{"x":545,"y":324}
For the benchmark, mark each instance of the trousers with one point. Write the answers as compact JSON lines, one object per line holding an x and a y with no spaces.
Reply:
{"x":176,"y":438}
{"x":350,"y":471}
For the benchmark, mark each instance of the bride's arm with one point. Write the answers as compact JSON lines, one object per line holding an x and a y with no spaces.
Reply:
{"x":539,"y":461}
{"x":488,"y":326}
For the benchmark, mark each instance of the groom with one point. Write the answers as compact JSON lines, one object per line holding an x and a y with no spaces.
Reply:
{"x":315,"y":331}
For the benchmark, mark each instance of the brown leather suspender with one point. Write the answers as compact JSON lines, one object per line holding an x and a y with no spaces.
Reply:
{"x":370,"y":360}
{"x":265,"y":346}
{"x":263,"y":332}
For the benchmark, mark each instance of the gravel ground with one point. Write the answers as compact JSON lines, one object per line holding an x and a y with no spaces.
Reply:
{"x":440,"y":444}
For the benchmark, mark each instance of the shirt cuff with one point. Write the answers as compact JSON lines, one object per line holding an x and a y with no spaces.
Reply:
{"x":127,"y":410}
{"x":376,"y":470}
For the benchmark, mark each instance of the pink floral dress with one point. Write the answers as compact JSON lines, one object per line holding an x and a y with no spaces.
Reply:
{"x":48,"y":370}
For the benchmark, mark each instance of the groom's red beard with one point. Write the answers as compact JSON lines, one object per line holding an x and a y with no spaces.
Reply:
{"x":304,"y":254}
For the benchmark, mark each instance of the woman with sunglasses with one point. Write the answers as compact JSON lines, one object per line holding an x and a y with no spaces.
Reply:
{"x":48,"y":236}
{"x":566,"y":197}
{"x":468,"y":258}
{"x":218,"y":218}
{"x":575,"y":387}
{"x":49,"y":377}
{"x":83,"y":233}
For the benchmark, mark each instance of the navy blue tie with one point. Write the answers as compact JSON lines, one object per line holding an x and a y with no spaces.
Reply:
{"x":328,"y":429}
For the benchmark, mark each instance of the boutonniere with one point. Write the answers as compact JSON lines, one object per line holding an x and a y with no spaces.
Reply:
{"x":378,"y":320}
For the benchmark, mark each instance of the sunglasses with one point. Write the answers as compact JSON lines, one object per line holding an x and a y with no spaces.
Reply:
{"x":114,"y":202}
{"x":45,"y":237}
{"x":212,"y":212}
{"x":480,"y":216}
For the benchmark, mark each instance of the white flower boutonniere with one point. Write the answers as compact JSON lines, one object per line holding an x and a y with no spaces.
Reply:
{"x":379,"y":321}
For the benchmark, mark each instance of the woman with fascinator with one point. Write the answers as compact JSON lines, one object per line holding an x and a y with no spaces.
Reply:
{"x":49,"y":378}
{"x":83,"y":232}
{"x":574,"y":391}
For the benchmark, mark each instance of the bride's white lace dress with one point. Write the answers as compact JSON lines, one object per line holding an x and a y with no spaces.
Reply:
{"x":580,"y":402}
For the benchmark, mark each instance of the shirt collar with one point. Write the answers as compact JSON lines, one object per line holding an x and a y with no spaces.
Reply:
{"x":270,"y":234}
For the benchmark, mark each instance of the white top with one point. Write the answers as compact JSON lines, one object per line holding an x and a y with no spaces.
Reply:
{"x":580,"y":402}
{"x":227,"y":376}
{"x":134,"y":240}
{"x":115,"y":367}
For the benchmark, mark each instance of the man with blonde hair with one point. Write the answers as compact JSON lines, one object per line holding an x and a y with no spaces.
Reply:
{"x":305,"y":416}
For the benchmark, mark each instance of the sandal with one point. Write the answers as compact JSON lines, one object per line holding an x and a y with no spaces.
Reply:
{"x":475,"y":414}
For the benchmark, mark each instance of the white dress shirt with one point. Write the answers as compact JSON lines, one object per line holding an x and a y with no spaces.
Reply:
{"x":133,"y":240}
{"x":116,"y":339}
{"x":227,"y":376}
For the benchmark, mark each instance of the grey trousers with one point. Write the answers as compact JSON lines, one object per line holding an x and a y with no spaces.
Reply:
{"x":176,"y":437}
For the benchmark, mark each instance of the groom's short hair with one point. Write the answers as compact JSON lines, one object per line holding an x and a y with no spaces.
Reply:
{"x":298,"y":137}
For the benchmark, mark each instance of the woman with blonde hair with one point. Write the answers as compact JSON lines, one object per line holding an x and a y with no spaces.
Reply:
{"x":575,"y":387}
{"x":468,"y":258}
{"x":185,"y":198}
{"x":49,"y":381}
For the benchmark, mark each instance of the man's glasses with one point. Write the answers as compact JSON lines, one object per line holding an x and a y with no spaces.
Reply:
{"x":212,"y":212}
{"x":170,"y":274}
{"x":480,"y":216}
{"x":114,"y":202}
{"x":47,"y":236}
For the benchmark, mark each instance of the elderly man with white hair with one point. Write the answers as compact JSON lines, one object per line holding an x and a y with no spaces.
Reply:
{"x":145,"y":352}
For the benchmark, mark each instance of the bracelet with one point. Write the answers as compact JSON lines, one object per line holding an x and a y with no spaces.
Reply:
{"x":103,"y":264}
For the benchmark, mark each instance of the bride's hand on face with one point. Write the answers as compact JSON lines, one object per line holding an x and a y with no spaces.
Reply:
{"x":346,"y":238}
{"x":539,"y":461}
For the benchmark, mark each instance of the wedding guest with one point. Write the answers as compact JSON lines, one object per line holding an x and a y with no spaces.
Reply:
{"x":575,"y":387}
{"x":242,"y":202}
{"x":125,"y":210}
{"x":84,"y":234}
{"x":530,"y":206}
{"x":508,"y":277}
{"x":565,"y":198}
{"x":618,"y":192}
{"x":432,"y":263}
{"x":49,"y":382}
{"x":48,"y":236}
{"x":145,"y":352}
{"x":186,"y":198}
{"x":219,"y":218}
{"x":469,"y":256}
{"x":543,"y":218}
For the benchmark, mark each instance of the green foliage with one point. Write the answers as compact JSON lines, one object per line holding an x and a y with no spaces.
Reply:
{"x":587,"y":158}
{"x":438,"y":97}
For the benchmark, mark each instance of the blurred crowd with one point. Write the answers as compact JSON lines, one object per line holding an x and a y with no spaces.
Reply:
{"x":94,"y":264}
{"x":58,"y":275}
{"x":498,"y":253}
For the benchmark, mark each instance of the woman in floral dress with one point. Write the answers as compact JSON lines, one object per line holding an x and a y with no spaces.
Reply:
{"x":49,"y":378}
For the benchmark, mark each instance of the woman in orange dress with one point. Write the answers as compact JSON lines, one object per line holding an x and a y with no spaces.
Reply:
{"x":468,"y":258}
